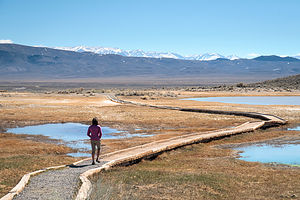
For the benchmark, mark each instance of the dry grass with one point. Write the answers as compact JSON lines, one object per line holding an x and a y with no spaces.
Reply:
{"x":20,"y":155}
{"x":290,"y":113}
{"x":201,"y":171}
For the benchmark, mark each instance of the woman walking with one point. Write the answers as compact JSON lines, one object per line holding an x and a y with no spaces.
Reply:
{"x":95,"y":134}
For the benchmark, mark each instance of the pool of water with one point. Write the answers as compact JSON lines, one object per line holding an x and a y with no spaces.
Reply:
{"x":285,"y":154}
{"x":253,"y":100}
{"x":73,"y":135}
{"x":282,"y":150}
{"x":294,"y":129}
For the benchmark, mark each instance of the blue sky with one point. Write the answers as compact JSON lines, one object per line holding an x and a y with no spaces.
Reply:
{"x":239,"y":27}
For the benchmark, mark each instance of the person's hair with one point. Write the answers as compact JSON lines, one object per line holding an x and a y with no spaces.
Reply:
{"x":95,"y":121}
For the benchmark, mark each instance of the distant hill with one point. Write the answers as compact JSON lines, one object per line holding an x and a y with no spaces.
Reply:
{"x":276,"y":58}
{"x":19,"y":62}
{"x":290,"y":82}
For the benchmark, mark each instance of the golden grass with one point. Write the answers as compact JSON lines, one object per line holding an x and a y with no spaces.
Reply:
{"x":19,"y":156}
{"x":17,"y":153}
{"x":288,"y":112}
{"x":201,"y":171}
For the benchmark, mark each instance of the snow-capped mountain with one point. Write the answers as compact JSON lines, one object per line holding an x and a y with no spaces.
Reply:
{"x":233,"y":57}
{"x":206,"y":56}
{"x":148,"y":54}
{"x":210,"y":56}
{"x":22,"y":62}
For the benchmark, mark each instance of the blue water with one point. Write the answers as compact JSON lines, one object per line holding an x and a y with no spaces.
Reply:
{"x":73,"y":135}
{"x":279,"y":153}
{"x":285,"y":154}
{"x":294,"y":129}
{"x":253,"y":100}
{"x":79,"y":154}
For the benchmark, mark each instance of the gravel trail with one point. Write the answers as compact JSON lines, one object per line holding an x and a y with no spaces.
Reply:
{"x":56,"y":184}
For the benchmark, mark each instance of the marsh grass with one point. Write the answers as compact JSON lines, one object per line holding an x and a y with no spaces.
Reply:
{"x":19,"y":156}
{"x":157,"y":184}
{"x":200,"y":171}
{"x":22,"y":154}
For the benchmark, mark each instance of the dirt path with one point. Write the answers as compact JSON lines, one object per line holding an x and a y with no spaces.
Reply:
{"x":64,"y":183}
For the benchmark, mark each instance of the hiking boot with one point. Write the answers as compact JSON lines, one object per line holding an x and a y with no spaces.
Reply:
{"x":98,"y":161}
{"x":93,"y":163}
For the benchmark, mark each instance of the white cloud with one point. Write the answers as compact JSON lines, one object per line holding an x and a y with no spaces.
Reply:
{"x":253,"y":55}
{"x":6,"y":42}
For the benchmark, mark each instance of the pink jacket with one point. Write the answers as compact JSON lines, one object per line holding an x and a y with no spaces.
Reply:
{"x":94,"y":132}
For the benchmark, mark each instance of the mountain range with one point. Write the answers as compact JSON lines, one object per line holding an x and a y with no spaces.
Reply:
{"x":19,"y":62}
{"x":146,"y":54}
{"x":152,"y":54}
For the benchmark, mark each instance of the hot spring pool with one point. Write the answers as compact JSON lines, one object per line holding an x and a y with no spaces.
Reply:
{"x":73,"y":135}
{"x":284,"y":152}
